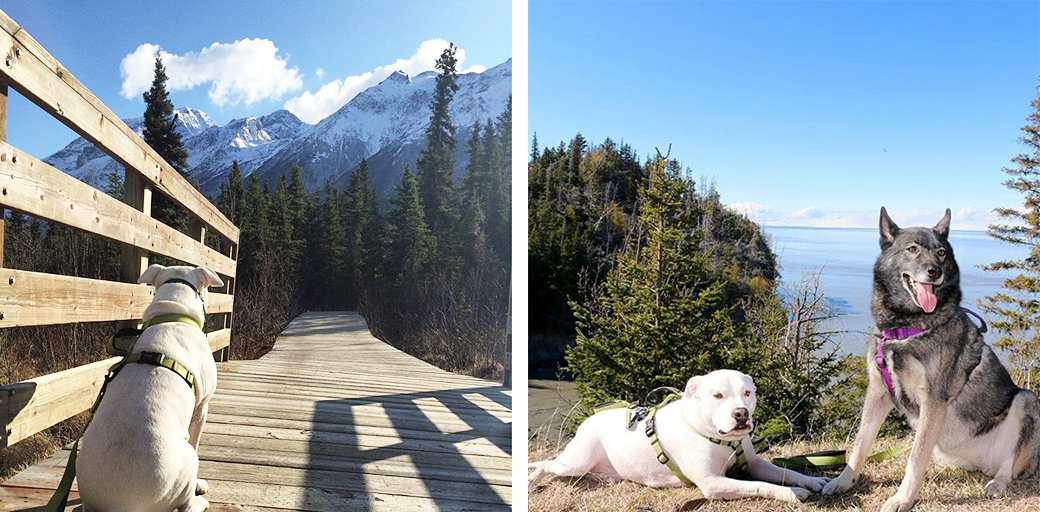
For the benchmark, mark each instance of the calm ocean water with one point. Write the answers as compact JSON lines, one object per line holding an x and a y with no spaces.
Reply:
{"x":844,"y":257}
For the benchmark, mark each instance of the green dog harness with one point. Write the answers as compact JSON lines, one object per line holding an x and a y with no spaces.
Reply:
{"x":637,"y":412}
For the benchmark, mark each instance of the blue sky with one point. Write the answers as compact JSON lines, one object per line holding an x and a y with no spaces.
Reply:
{"x":239,"y":59}
{"x":803,"y":113}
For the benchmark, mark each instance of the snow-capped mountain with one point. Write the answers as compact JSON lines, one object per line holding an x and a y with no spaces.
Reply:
{"x":385,"y":124}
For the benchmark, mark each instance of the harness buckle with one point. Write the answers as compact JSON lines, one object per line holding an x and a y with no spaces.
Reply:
{"x":649,"y":427}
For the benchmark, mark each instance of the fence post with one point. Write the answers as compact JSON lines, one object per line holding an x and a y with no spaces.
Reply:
{"x":135,"y":260}
{"x":3,"y":137}
{"x":507,"y":363}
{"x":230,"y":250}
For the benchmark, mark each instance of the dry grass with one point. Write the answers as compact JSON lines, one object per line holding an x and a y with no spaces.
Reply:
{"x":945,"y":490}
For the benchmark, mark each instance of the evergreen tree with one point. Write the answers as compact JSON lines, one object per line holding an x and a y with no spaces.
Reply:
{"x":505,"y":132}
{"x":436,"y":165}
{"x":409,"y":244}
{"x":661,"y":316}
{"x":1016,"y":307}
{"x":362,"y":234}
{"x":160,"y":132}
{"x":231,"y":201}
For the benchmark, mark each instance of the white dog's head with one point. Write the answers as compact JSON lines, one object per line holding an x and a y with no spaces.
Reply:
{"x":723,"y":400}
{"x":200,"y":278}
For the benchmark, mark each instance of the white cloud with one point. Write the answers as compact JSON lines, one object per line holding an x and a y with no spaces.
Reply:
{"x":249,"y":71}
{"x":753,"y":211}
{"x":810,"y":212}
{"x":965,"y":218}
{"x":315,"y":106}
{"x":320,"y":73}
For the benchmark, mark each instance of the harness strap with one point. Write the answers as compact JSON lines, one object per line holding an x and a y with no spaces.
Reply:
{"x":663,"y":458}
{"x":902,"y":333}
{"x":160,"y":359}
{"x":60,"y":498}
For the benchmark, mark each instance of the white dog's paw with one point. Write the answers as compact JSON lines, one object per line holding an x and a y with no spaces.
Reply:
{"x":841,"y":484}
{"x":814,"y":483}
{"x":996,"y":488}
{"x":898,"y":503}
{"x":798,"y":495}
{"x":201,"y":487}
{"x":196,"y":504}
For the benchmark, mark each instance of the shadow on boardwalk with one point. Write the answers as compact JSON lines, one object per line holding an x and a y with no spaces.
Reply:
{"x":334,"y":419}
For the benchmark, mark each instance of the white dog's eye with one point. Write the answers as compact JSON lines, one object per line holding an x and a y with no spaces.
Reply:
{"x":747,"y":393}
{"x":718,"y":396}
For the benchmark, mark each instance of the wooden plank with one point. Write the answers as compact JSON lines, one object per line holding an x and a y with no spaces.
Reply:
{"x":35,"y":74}
{"x":362,"y":479}
{"x":33,"y":405}
{"x":215,"y":446}
{"x":317,"y":497}
{"x":34,"y":298}
{"x":218,"y":340}
{"x":33,"y":187}
{"x":363,"y":440}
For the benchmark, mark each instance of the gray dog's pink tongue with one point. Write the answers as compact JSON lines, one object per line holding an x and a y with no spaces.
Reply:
{"x":925,"y":297}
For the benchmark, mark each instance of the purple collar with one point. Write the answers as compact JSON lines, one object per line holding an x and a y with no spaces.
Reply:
{"x":902,"y":333}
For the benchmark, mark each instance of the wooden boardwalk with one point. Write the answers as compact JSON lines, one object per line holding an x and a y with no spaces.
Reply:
{"x":333,"y":419}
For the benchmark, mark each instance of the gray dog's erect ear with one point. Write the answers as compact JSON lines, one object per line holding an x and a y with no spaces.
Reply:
{"x":691,"y":387}
{"x":206,"y":277}
{"x":148,"y":277}
{"x":943,"y":227}
{"x":888,"y":230}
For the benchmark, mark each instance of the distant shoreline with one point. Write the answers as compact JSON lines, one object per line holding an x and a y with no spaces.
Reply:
{"x":837,"y":228}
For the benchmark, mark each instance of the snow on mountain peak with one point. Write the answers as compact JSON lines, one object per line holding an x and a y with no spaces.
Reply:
{"x":384,"y":124}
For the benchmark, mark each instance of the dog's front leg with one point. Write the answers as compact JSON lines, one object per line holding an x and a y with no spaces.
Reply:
{"x":929,"y":426}
{"x":876,"y":406}
{"x":723,"y":488}
{"x":198,"y":420}
{"x":761,"y":469}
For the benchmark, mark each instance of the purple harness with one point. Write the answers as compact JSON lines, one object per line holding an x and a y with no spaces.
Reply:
{"x":902,"y":333}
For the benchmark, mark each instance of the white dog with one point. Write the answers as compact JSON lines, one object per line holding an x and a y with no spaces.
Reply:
{"x":139,"y":452}
{"x":717,"y":406}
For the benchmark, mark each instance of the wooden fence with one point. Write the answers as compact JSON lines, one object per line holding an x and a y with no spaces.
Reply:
{"x":30,"y":186}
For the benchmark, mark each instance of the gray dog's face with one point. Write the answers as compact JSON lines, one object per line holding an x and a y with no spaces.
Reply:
{"x":916,"y":266}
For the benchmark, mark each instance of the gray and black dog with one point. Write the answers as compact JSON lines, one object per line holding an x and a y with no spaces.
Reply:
{"x":935,"y":368}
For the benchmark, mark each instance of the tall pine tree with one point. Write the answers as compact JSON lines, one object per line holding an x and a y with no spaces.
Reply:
{"x":1016,"y":307}
{"x":436,"y":165}
{"x":160,"y":132}
{"x":363,"y":225}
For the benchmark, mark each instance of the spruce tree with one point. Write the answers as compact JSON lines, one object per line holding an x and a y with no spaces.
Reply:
{"x":362,"y":237}
{"x":160,"y":132}
{"x":1016,"y":308}
{"x":662,"y":316}
{"x":231,"y":201}
{"x":436,"y":165}
{"x":409,"y":244}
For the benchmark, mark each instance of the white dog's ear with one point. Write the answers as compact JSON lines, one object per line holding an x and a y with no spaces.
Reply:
{"x":148,"y":277}
{"x":691,"y":386}
{"x":206,"y":277}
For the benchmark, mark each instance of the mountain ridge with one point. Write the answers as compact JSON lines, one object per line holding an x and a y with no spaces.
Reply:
{"x":385,"y":124}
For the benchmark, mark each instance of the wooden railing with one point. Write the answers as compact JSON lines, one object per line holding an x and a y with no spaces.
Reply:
{"x":30,"y":186}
